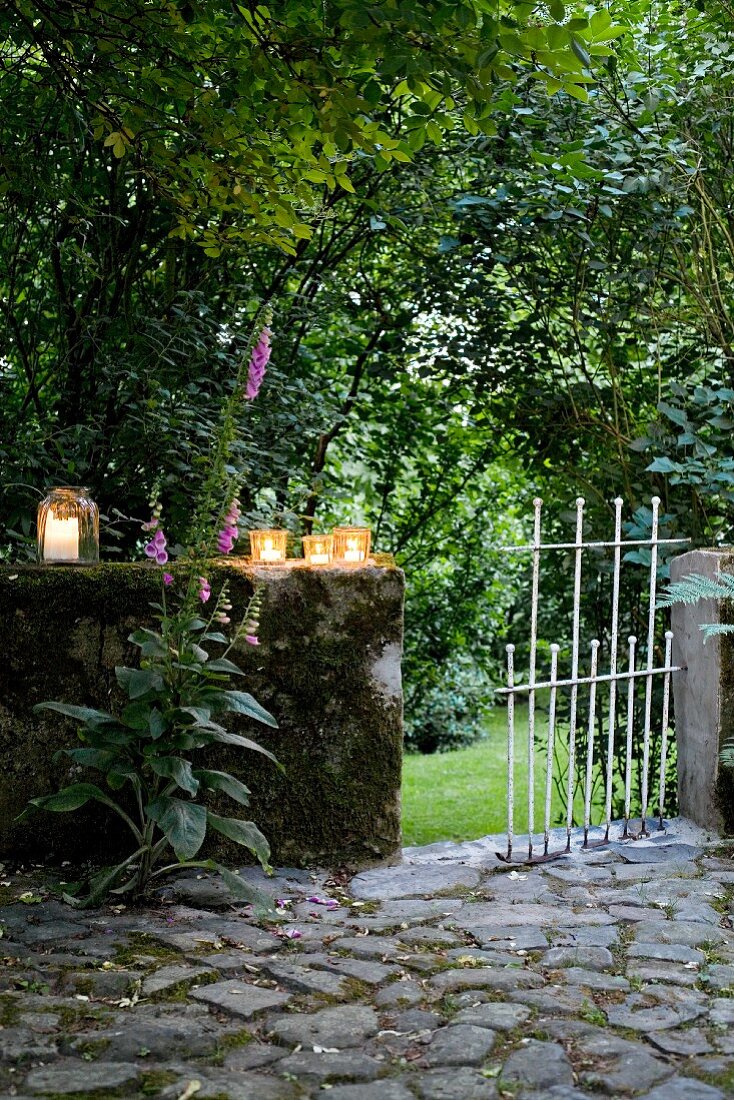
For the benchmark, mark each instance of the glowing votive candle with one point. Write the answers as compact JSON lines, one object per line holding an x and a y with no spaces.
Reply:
{"x":317,"y":549}
{"x":351,"y":545}
{"x":61,"y":542}
{"x":268,"y":547}
{"x":268,"y":552}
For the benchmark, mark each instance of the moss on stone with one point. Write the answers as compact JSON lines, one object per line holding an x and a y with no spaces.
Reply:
{"x":141,"y":944}
{"x":226,"y":1044}
{"x":323,"y":634}
{"x":153,"y":1080}
{"x":91,"y":1049}
{"x":10,"y":1010}
{"x":179,"y":993}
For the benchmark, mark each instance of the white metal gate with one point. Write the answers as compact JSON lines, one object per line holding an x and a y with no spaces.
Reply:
{"x":592,"y":681}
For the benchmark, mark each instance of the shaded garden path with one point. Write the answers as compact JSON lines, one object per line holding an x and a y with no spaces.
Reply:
{"x":448,"y":977}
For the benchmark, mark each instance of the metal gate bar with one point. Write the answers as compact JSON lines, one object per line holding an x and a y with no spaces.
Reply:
{"x":595,"y":678}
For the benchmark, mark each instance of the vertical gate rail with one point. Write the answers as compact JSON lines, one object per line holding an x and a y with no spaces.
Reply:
{"x":593,"y":682}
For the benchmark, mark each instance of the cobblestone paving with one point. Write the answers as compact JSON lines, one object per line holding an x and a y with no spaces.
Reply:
{"x":449,"y":977}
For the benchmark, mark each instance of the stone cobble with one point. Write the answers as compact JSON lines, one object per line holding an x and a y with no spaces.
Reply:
{"x":448,"y":977}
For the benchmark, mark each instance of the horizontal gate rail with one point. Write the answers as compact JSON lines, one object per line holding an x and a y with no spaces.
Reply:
{"x":605,"y":677}
{"x":613,"y":677}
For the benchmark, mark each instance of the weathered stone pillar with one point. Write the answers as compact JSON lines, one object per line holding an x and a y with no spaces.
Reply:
{"x":703,"y":697}
{"x":328,"y":668}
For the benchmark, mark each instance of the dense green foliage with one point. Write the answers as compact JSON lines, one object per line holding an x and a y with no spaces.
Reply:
{"x":485,"y":290}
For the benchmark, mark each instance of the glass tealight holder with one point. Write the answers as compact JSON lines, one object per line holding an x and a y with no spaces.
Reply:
{"x":318,"y":549}
{"x":268,"y":547}
{"x":351,"y":545}
{"x":68,"y":527}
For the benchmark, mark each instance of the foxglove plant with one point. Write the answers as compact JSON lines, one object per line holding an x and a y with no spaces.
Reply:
{"x":176,"y":699}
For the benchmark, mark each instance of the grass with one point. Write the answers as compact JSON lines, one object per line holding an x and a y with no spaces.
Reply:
{"x":462,"y":795}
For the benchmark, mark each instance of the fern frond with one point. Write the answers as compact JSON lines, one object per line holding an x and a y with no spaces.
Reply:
{"x":710,"y":629}
{"x":726,"y":755}
{"x":696,"y":587}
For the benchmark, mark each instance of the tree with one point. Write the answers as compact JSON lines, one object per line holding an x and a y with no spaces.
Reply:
{"x":237,"y":115}
{"x":148,"y":152}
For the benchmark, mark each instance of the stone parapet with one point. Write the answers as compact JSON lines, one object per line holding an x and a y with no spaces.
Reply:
{"x":328,"y":668}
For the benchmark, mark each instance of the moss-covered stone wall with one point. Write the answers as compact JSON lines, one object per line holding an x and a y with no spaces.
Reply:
{"x":328,"y":668}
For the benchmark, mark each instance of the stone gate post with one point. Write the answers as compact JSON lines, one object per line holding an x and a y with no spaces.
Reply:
{"x":703,"y":697}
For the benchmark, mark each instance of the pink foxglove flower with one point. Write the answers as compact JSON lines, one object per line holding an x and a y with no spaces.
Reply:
{"x":293,"y":934}
{"x":251,"y":639}
{"x":258,"y":363}
{"x":167,"y":579}
{"x":156,"y":548}
{"x":205,"y":590}
{"x":229,"y":534}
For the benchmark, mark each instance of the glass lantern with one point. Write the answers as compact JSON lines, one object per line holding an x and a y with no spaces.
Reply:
{"x":352,"y":545}
{"x":318,"y":549}
{"x":268,"y":547}
{"x":68,"y":527}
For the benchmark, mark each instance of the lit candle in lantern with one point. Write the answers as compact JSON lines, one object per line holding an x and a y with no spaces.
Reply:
{"x":268,"y":547}
{"x":68,"y":527}
{"x":352,"y":545}
{"x":317,"y":549}
{"x":352,"y":552}
{"x":268,"y":552}
{"x":61,"y":541}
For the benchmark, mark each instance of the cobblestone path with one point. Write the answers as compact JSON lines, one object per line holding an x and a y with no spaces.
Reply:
{"x":448,"y":977}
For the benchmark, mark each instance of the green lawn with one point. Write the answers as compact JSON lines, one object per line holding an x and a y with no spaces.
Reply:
{"x":462,"y":795}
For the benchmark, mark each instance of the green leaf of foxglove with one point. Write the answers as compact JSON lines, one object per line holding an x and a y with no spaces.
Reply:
{"x":241,"y":702}
{"x":263,"y":904}
{"x":176,"y":768}
{"x":150,"y":643}
{"x":88,"y":715}
{"x":183,"y":823}
{"x":71,"y":798}
{"x":102,"y":759}
{"x":222,"y":781}
{"x":136,"y":715}
{"x":223,"y":664}
{"x":226,"y":738}
{"x":242,"y":832}
{"x":138,"y":681}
